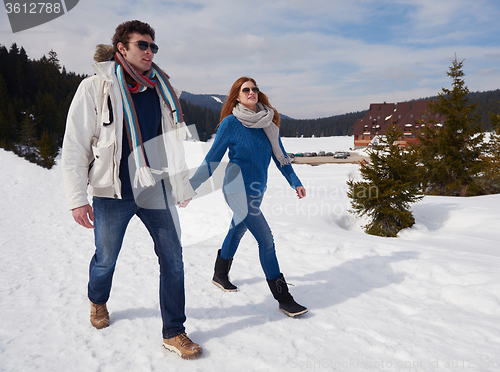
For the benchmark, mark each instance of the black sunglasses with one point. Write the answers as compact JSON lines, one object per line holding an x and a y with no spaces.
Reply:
{"x":254,"y":89}
{"x":143,"y":45}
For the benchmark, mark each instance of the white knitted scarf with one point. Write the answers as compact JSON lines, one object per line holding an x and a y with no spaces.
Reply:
{"x":263,"y":118}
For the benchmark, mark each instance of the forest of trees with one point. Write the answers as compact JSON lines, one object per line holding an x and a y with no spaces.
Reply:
{"x":204,"y":118}
{"x":206,"y":121}
{"x":340,"y":125}
{"x":34,"y":99}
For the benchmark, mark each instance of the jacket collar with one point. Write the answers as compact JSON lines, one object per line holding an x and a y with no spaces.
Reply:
{"x":105,"y":70}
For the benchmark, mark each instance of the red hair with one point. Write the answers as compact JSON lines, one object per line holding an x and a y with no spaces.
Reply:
{"x":232,"y":97}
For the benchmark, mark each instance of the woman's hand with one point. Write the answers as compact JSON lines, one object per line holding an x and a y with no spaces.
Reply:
{"x":301,"y":192}
{"x":185,"y":203}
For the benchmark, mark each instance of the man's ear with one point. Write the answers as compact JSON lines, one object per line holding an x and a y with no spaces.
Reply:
{"x":121,"y":48}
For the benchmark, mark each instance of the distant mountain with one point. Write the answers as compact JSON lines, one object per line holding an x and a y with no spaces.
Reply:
{"x":211,"y":101}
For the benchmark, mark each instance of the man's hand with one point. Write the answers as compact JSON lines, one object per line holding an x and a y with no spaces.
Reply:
{"x":84,"y":216}
{"x":185,"y":203}
{"x":301,"y":192}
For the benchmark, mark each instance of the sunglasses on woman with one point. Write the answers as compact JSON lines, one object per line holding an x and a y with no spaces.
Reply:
{"x":247,"y":90}
{"x":143,"y":45}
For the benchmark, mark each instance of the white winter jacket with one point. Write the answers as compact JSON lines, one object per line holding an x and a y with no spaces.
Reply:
{"x":94,"y":134}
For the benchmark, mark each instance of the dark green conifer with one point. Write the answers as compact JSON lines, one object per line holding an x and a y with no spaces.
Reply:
{"x":47,"y":150}
{"x":450,"y":152}
{"x":390,"y":185}
{"x":28,"y":139}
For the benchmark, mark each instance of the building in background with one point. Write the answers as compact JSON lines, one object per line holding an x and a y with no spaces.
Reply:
{"x":409,"y":117}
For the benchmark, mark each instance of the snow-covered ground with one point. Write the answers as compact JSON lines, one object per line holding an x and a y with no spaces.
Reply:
{"x":428,"y":300}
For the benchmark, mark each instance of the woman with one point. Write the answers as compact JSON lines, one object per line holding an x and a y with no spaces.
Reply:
{"x":249,"y":128}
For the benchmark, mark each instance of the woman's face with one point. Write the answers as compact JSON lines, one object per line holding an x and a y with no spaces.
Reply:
{"x":249,"y":95}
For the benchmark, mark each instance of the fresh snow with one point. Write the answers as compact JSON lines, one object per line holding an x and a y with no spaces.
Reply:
{"x":428,"y":300}
{"x":217,"y":99}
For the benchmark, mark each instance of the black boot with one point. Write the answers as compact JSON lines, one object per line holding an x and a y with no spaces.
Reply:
{"x":221,"y":271}
{"x":279,"y":289}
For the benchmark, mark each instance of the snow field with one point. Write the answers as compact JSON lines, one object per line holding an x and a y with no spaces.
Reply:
{"x":428,"y":300}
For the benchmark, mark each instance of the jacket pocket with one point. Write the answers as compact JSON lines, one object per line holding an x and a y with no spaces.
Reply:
{"x":102,"y":172}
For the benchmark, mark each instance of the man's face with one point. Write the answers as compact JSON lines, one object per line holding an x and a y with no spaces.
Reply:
{"x":141,"y":60}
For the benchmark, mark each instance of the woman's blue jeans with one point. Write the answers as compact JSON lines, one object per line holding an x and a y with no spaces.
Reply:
{"x":111,"y":217}
{"x":248,"y":216}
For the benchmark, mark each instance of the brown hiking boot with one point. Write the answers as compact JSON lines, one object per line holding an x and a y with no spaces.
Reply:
{"x":99,"y":316}
{"x":183,"y":346}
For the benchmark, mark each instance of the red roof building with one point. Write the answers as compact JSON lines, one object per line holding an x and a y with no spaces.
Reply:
{"x":409,"y":117}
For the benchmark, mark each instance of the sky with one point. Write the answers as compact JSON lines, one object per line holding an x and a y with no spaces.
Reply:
{"x":313,"y":58}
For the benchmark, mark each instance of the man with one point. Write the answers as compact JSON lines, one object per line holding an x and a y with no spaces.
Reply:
{"x":111,"y":119}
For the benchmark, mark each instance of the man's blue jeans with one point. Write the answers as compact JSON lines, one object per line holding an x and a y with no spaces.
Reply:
{"x":111,"y":217}
{"x":246,"y":209}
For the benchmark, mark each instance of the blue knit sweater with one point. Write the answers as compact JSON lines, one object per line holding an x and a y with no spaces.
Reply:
{"x":250,"y":153}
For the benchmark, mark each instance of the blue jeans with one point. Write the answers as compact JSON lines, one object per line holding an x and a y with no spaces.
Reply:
{"x":111,"y":217}
{"x":248,"y":216}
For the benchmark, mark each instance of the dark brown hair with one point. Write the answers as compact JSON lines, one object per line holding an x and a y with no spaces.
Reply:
{"x":231,"y":100}
{"x":124,"y":30}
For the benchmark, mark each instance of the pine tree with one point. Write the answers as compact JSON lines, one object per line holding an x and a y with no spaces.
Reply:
{"x":390,"y":184}
{"x":47,"y":150}
{"x":53,"y":59}
{"x":28,"y":138}
{"x":451,"y":152}
{"x":46,"y":114}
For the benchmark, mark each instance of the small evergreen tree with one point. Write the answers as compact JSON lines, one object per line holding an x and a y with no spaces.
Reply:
{"x":450,"y":153}
{"x":47,"y":150}
{"x":53,"y":59}
{"x":28,"y":139}
{"x":390,"y":184}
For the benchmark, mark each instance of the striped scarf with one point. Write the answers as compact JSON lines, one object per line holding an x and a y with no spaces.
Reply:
{"x":154,"y":78}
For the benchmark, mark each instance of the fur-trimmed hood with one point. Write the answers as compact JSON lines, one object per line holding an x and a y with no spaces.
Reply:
{"x":104,"y":53}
